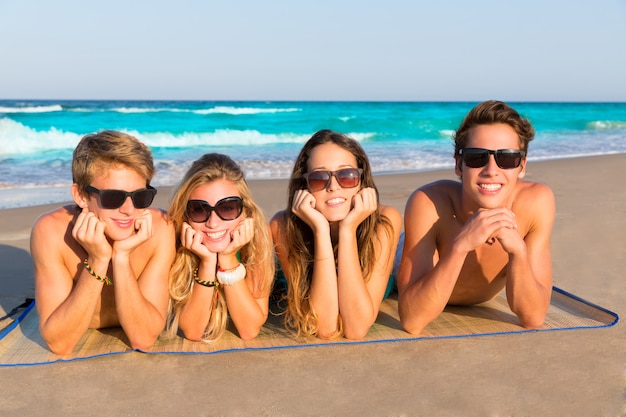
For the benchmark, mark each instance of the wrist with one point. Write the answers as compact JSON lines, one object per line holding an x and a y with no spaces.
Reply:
{"x":227,"y":261}
{"x":231,"y":276}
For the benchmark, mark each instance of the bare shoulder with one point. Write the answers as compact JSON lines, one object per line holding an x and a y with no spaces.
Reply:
{"x":393,"y":215}
{"x":52,"y":233}
{"x":54,"y":222}
{"x":160,"y":219}
{"x":438,"y":194}
{"x":278,"y":221}
{"x":164,"y":238}
{"x":534,"y":195}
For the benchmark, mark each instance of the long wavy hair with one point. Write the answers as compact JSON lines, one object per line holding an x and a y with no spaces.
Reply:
{"x":300,"y":251}
{"x":257,"y":255}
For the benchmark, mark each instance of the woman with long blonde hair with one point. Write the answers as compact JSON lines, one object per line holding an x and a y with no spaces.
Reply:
{"x":224,"y":262}
{"x":335,"y":243}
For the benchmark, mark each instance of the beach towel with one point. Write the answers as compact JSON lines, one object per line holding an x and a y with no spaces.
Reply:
{"x":22,"y":345}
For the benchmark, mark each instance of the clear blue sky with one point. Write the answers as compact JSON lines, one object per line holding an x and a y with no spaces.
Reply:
{"x":532,"y":50}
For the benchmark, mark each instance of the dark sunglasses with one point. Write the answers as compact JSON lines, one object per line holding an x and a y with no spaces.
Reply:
{"x":347,"y":178}
{"x":229,"y":208}
{"x":479,"y":157}
{"x":113,"y":199}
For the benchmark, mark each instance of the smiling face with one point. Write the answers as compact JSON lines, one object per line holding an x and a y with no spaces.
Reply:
{"x":120,"y":222}
{"x":216,"y":232}
{"x":334,"y":202}
{"x":490,"y":186}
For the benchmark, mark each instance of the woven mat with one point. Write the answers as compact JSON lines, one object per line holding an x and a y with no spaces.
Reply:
{"x":21,"y":344}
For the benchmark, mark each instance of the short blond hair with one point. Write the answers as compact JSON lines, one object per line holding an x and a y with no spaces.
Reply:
{"x":98,"y":151}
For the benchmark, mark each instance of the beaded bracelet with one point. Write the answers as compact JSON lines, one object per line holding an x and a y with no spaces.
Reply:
{"x":231,"y":276}
{"x":104,"y":279}
{"x":204,"y":283}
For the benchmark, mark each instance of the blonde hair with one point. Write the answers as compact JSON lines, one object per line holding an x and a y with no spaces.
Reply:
{"x":300,"y":241}
{"x":257,"y":255}
{"x":99,"y":151}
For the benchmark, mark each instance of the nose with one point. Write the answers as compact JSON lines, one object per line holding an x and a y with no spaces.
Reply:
{"x":491,"y":164}
{"x":213,"y":219}
{"x":333,"y":183}
{"x":128,"y":206}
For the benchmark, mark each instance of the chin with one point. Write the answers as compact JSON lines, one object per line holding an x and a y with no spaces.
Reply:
{"x":216,"y":247}
{"x":120,"y":234}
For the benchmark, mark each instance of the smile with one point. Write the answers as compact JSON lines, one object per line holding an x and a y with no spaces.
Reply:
{"x":216,"y":235}
{"x":335,"y":201}
{"x":490,"y":187}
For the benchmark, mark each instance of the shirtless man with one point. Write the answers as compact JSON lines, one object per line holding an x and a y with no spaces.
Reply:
{"x":466,"y":241}
{"x":105,"y":261}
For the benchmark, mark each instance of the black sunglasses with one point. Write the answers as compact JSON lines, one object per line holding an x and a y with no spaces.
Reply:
{"x":229,"y":208}
{"x":347,"y":178}
{"x":113,"y":199}
{"x":479,"y":157}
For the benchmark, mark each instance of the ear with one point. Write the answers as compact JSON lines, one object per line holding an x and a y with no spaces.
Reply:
{"x":78,"y":197}
{"x":458,"y":166}
{"x":522,"y":171}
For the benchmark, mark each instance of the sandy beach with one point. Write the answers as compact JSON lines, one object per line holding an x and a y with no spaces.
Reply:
{"x":563,"y":373}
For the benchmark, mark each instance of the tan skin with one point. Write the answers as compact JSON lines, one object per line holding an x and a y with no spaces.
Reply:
{"x":334,"y":214}
{"x":134,"y":247}
{"x":216,"y":243}
{"x":465,"y":242}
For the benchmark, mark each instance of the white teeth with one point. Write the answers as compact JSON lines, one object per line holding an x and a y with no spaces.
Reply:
{"x":216,"y":235}
{"x":335,"y":201}
{"x":490,"y":187}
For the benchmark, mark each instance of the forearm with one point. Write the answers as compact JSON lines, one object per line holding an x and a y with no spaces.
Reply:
{"x":70,"y":320}
{"x":425,"y":297}
{"x":244,"y":310}
{"x":355,"y":303}
{"x":141,"y":320}
{"x":526,"y":295}
{"x":323,"y":293}
{"x":195,"y":315}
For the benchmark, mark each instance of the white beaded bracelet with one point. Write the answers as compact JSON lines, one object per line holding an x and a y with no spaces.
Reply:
{"x":231,"y":276}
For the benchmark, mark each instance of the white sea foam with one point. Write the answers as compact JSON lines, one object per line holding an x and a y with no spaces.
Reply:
{"x":31,"y":109}
{"x":17,"y":139}
{"x":606,"y":124}
{"x":213,"y":110}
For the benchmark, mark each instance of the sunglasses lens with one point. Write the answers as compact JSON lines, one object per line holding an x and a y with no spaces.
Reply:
{"x":348,"y":178}
{"x":198,"y":212}
{"x":318,"y":180}
{"x":229,"y":208}
{"x":475,"y":158}
{"x":143,"y":198}
{"x":505,"y":158}
{"x":112,"y":199}
{"x":508,"y":159}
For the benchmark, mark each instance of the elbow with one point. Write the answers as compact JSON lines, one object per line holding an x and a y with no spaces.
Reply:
{"x":355,"y":334}
{"x":142,"y":343}
{"x":410,"y":323}
{"x":249,"y":334}
{"x":192,"y":334}
{"x":533,"y":321}
{"x":62,"y":348}
{"x":358,"y":331}
{"x":251,"y":330}
{"x":412,"y":327}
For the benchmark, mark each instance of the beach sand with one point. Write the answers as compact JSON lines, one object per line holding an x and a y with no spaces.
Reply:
{"x":563,"y":373}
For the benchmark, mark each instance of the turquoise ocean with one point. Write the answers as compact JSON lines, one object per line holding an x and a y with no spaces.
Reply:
{"x":37,"y":137}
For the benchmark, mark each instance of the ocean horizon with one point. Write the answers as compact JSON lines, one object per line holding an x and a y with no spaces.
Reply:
{"x":37,"y":137}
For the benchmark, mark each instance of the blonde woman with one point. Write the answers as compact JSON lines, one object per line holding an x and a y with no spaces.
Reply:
{"x":335,"y":243}
{"x":224,"y":262}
